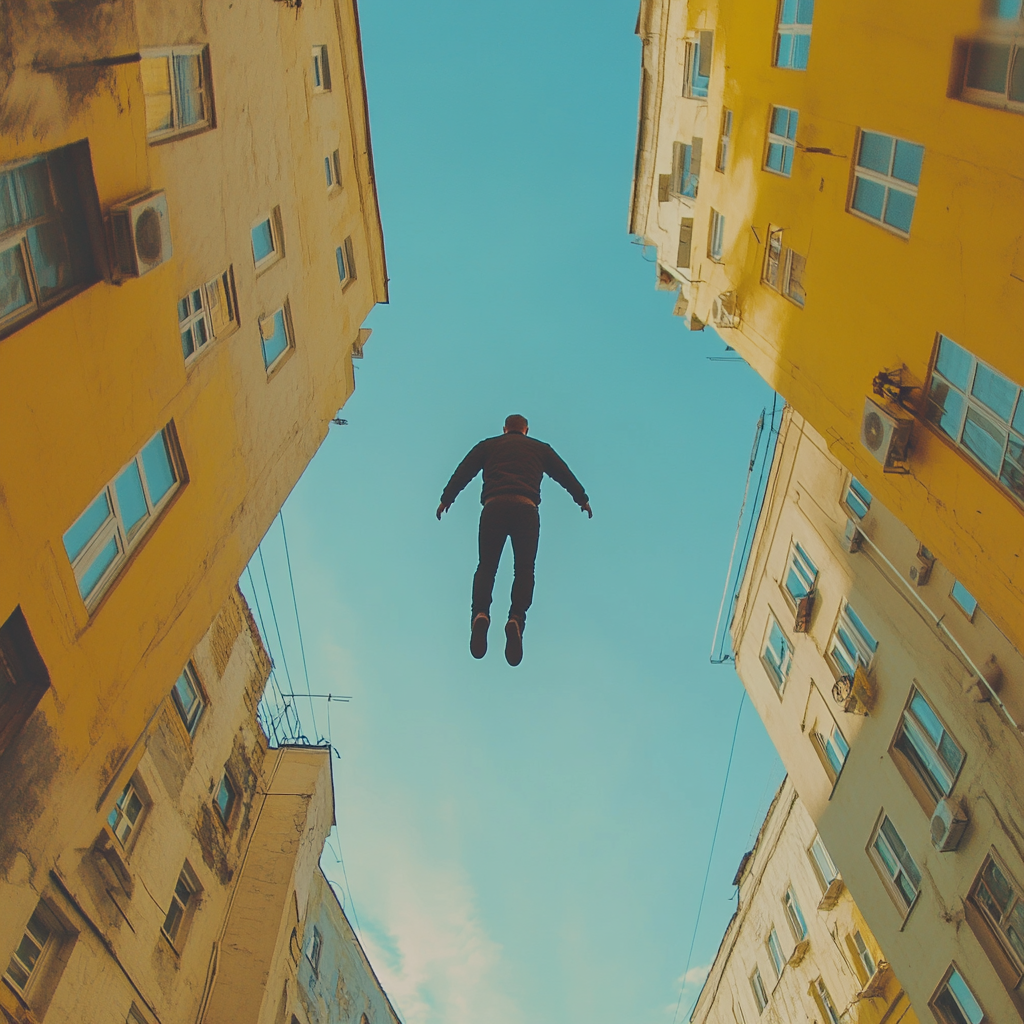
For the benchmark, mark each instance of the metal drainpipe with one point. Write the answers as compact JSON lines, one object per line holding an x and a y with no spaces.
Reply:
{"x":937,"y":619}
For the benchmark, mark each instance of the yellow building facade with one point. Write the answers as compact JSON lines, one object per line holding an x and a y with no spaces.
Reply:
{"x":896,"y":705}
{"x":837,"y":191}
{"x":797,"y":948}
{"x":189,"y":244}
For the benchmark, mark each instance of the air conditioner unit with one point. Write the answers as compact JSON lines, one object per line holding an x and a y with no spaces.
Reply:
{"x":948,"y":824}
{"x":886,"y":436}
{"x":361,"y":339}
{"x":725,"y":311}
{"x":142,"y":234}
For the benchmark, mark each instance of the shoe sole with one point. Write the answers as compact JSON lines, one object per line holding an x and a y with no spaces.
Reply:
{"x":513,"y":643}
{"x":478,"y":638}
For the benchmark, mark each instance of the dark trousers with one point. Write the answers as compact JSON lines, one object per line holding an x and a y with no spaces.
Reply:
{"x":499,"y":519}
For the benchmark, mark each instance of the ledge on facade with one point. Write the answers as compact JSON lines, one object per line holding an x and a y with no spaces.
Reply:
{"x":798,"y":954}
{"x":876,"y":986}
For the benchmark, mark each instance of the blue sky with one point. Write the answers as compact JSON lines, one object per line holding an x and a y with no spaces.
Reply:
{"x":525,"y":844}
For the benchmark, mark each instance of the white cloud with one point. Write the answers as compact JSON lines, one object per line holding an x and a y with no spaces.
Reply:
{"x":694,"y":976}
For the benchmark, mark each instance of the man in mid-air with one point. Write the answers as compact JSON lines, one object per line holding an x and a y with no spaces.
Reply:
{"x":513,"y":465}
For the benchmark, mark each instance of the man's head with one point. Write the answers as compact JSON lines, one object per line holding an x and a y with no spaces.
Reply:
{"x":516,"y":424}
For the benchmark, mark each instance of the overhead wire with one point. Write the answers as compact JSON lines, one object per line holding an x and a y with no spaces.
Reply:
{"x":711,"y":853}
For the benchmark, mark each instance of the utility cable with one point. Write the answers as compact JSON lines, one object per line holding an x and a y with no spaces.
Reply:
{"x":273,"y":613}
{"x":298,"y":625}
{"x":711,"y":854}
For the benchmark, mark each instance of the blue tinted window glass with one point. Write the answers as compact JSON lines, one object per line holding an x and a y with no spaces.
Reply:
{"x":969,"y":1005}
{"x":1018,"y":417}
{"x":262,"y":241}
{"x":984,"y":439}
{"x":775,"y":155}
{"x":48,"y":250}
{"x":780,"y":118}
{"x":899,"y":210}
{"x":946,"y":408}
{"x":183,"y":309}
{"x":804,"y":12}
{"x":188,"y":78}
{"x":130,"y":499}
{"x":801,"y":51}
{"x":995,"y":391}
{"x":87,"y":526}
{"x":875,"y":152}
{"x":1013,"y":467}
{"x":160,"y":475}
{"x":788,"y":15}
{"x":327,"y":171}
{"x":24,"y":194}
{"x":787,"y":159}
{"x":784,"y":51}
{"x":794,"y":116}
{"x":102,"y":562}
{"x":963,"y":597}
{"x":869,"y":198}
{"x":14,"y":287}
{"x":339,"y":255}
{"x":187,"y":344}
{"x":954,"y":363}
{"x":277,"y":342}
{"x":906,"y":164}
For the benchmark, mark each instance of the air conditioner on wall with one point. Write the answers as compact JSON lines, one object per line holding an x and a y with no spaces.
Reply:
{"x":886,"y":436}
{"x":948,"y":824}
{"x":725,"y":310}
{"x":142,"y":234}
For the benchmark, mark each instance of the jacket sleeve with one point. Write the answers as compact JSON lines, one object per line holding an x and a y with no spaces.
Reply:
{"x":562,"y":474}
{"x":467,"y":469}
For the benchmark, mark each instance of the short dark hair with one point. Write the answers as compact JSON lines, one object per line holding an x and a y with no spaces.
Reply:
{"x":517,"y":423}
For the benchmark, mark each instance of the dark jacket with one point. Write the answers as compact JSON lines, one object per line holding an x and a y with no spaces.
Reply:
{"x":513,"y":464}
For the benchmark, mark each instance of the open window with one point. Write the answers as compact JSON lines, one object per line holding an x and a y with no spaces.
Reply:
{"x":39,"y":958}
{"x":176,"y":85}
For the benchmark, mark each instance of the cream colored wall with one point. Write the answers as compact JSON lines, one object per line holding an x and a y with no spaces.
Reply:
{"x":804,"y":504}
{"x":779,"y":860}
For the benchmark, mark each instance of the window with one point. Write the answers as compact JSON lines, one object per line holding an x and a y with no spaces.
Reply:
{"x":183,"y":901}
{"x":885,"y":180}
{"x":793,"y":279}
{"x":993,"y":72}
{"x":313,"y":948}
{"x":981,"y":411}
{"x":30,"y":953}
{"x":857,"y":498}
{"x":793,"y":37}
{"x":999,"y":899}
{"x":822,"y":863}
{"x":800,"y":574}
{"x":206,"y":313}
{"x":275,"y":335}
{"x":124,"y":815}
{"x":684,"y":251}
{"x":698,"y":65}
{"x":188,"y":699}
{"x":954,"y":1002}
{"x":964,"y":599}
{"x":345,"y":259}
{"x":851,"y":643}
{"x":775,"y":952}
{"x":898,"y":869}
{"x":225,"y":798}
{"x":686,"y":168}
{"x":757,"y":986}
{"x":100,"y":541}
{"x":781,"y":140}
{"x":46,"y":254}
{"x":864,"y":955}
{"x":773,"y":258}
{"x":332,"y":169}
{"x":176,"y":86}
{"x":794,"y":915}
{"x":777,"y":655}
{"x":825,"y":1000}
{"x":716,"y":235}
{"x":722,"y":159}
{"x":321,"y":70}
{"x":833,"y":747}
{"x":266,"y":240}
{"x":929,"y":750}
{"x":23,"y":676}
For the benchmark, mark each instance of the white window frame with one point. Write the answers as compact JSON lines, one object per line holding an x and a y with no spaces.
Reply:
{"x":722,"y":157}
{"x":890,"y":877}
{"x":827,"y":1006}
{"x":784,"y":142}
{"x":973,"y":1014}
{"x":890,"y":183}
{"x":796,"y":265}
{"x":791,"y":29}
{"x":189,"y":719}
{"x":168,"y":53}
{"x":321,"y":69}
{"x":778,"y":672}
{"x":119,"y":820}
{"x":999,"y":925}
{"x":849,"y":623}
{"x":832,"y":747}
{"x":112,"y":529}
{"x":691,"y":89}
{"x":45,"y":949}
{"x":800,"y":565}
{"x":794,"y":915}
{"x":826,"y":872}
{"x":935,"y":773}
{"x":1012,"y":428}
{"x":716,"y":236}
{"x":285,"y":311}
{"x":864,"y":955}
{"x":760,"y":992}
{"x":858,"y":498}
{"x":771,"y":273}
{"x":273,"y":218}
{"x":344,"y":257}
{"x":332,"y":165}
{"x":775,"y":954}
{"x":1013,"y":39}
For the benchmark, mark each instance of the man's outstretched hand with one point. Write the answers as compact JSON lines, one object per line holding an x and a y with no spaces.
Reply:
{"x":442,"y":508}
{"x":583,"y":508}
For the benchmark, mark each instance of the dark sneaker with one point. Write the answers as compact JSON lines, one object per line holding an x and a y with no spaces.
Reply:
{"x":513,"y":642}
{"x":478,"y":635}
